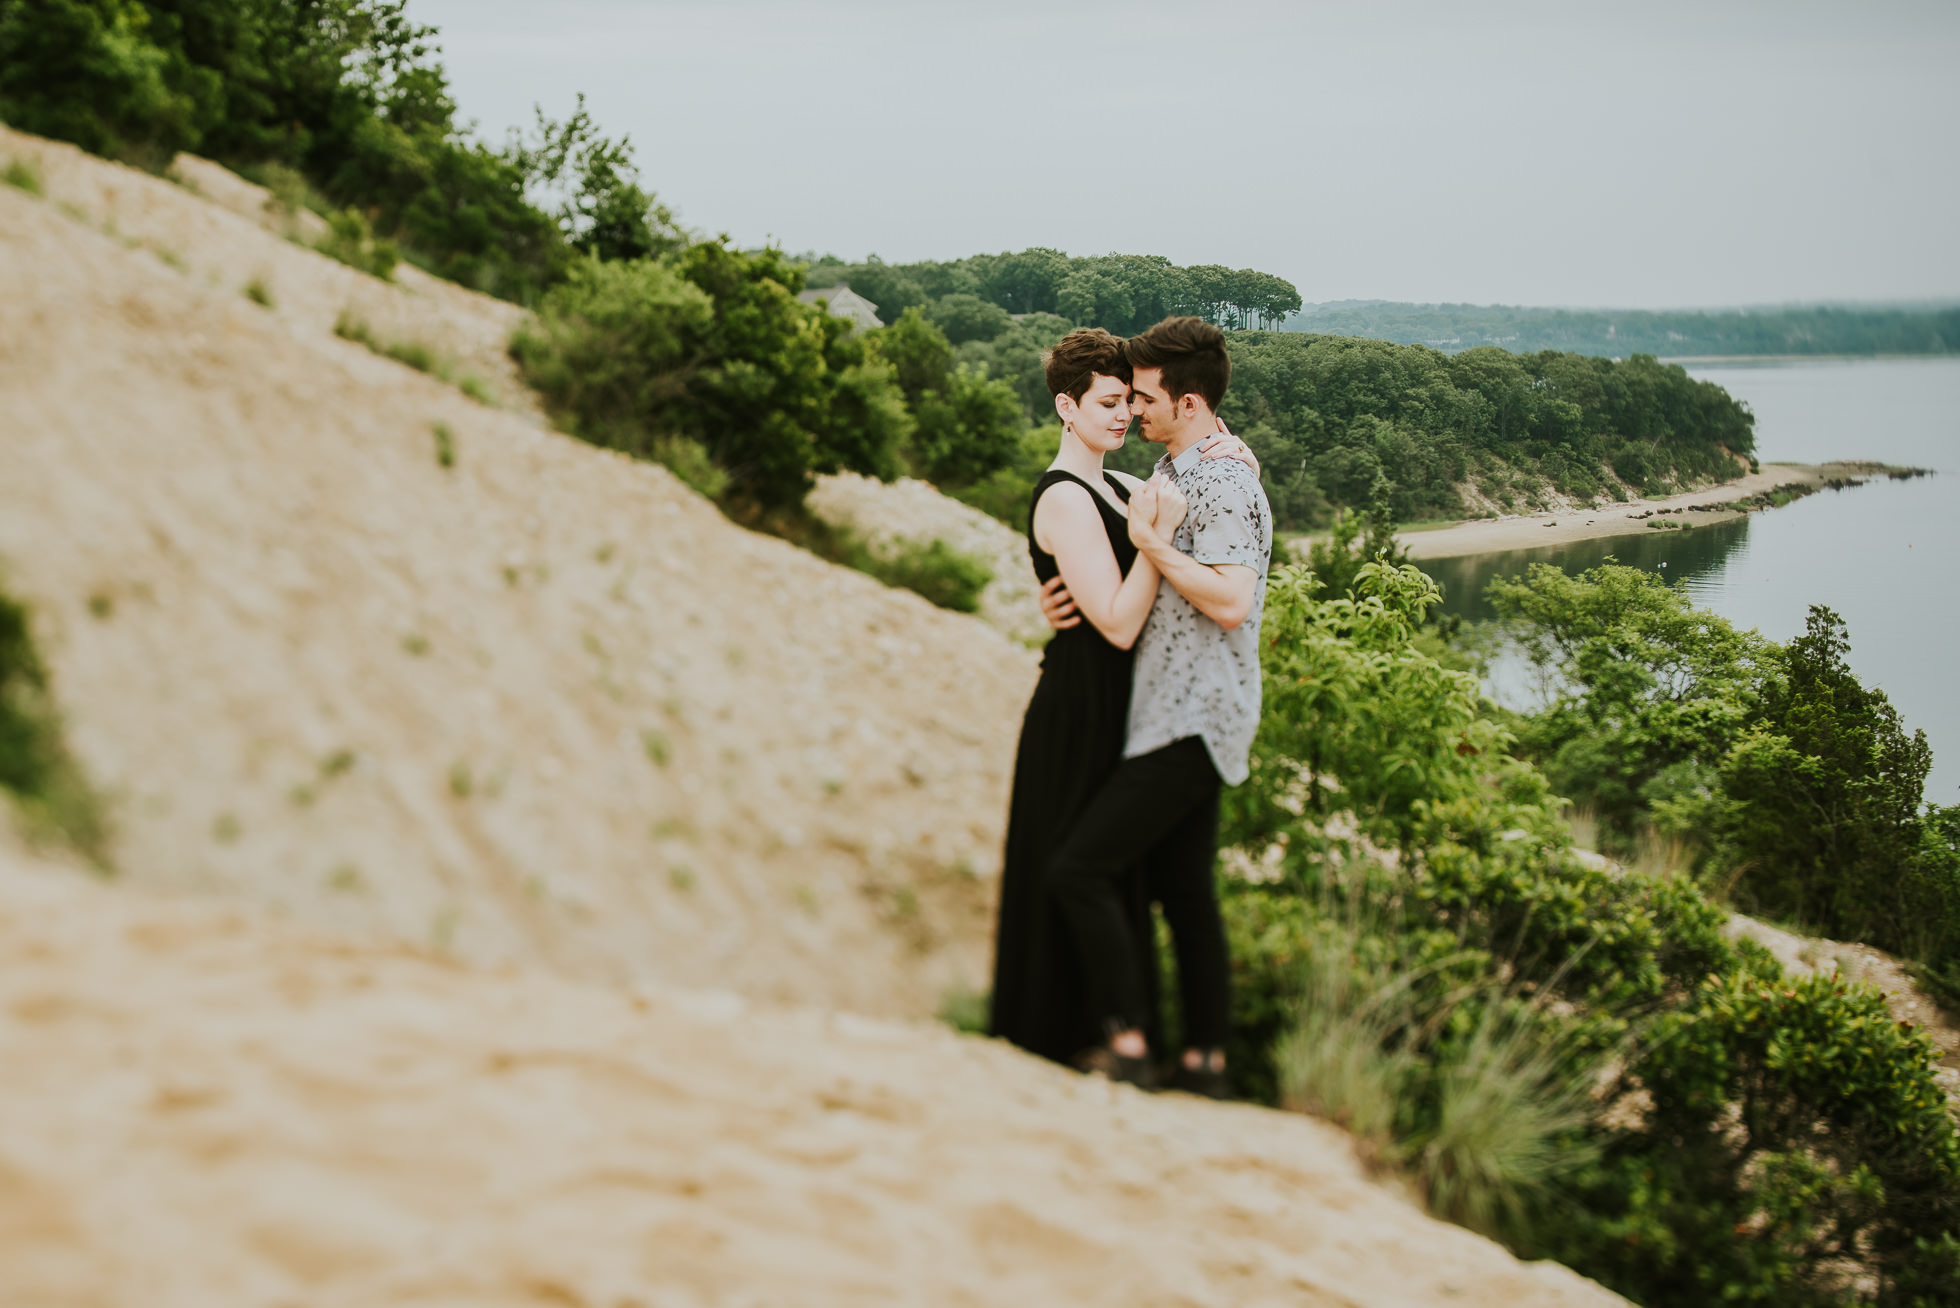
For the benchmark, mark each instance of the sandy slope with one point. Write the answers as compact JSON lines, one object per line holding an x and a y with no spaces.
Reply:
{"x":912,"y":512}
{"x":205,"y":1108}
{"x":547,"y":705}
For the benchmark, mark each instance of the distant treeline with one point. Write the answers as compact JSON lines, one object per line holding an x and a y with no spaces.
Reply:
{"x":1621,"y":333}
{"x":971,"y":298}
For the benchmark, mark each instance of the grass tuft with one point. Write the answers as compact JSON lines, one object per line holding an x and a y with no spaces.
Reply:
{"x":259,"y":293}
{"x":37,"y":773}
{"x":445,"y":445}
{"x":22,"y":175}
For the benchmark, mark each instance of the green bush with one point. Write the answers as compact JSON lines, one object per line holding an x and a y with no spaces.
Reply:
{"x":946,"y":576}
{"x":36,"y":770}
{"x":710,"y":353}
{"x":1575,"y":1060}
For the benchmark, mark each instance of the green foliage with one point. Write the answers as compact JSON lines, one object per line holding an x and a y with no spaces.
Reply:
{"x":22,"y":175}
{"x":1650,"y":691}
{"x":1814,"y":814}
{"x":1329,"y":415}
{"x":348,"y":93}
{"x":1804,"y":1144}
{"x":350,"y":239}
{"x":259,"y":293}
{"x":935,"y":570}
{"x":445,"y":445}
{"x":1820,"y":330}
{"x":708,"y":363}
{"x":1354,"y":540}
{"x":971,"y":298}
{"x":1575,"y":1060}
{"x":37,"y":772}
{"x":1799,"y":788}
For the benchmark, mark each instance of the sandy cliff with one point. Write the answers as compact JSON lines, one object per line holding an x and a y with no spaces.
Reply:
{"x":501,"y":847}
{"x":546,"y":705}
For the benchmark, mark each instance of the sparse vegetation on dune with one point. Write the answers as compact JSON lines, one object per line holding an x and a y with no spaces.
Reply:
{"x":48,"y":790}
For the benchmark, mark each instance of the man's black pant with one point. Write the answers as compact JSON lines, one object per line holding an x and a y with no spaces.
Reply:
{"x":1156,"y":817}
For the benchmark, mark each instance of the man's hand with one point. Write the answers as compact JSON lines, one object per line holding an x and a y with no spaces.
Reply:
{"x":1058,"y":606}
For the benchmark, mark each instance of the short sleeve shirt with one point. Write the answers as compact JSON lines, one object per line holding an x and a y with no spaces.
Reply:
{"x":1193,"y":677}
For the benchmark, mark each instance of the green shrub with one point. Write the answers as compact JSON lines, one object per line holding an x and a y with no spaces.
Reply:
{"x":351,"y":240}
{"x":36,"y":770}
{"x":259,"y":293}
{"x":21,"y":174}
{"x":445,"y":445}
{"x":946,"y":576}
{"x":711,"y":352}
{"x":1575,"y":1060}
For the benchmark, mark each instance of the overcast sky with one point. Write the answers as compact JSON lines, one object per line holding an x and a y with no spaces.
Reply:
{"x":1655,"y":154}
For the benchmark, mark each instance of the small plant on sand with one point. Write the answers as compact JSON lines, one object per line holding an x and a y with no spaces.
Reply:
{"x":46,"y":785}
{"x":416,"y":354}
{"x":966,"y":1010}
{"x":351,"y":240}
{"x":477,"y":389}
{"x":259,"y":293}
{"x":946,"y":576}
{"x":445,"y":445}
{"x":21,"y":174}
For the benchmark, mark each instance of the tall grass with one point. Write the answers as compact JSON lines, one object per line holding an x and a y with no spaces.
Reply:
{"x":1465,"y":1088}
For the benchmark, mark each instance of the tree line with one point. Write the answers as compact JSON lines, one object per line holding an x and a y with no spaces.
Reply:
{"x":1123,"y":293}
{"x":1817,"y":329}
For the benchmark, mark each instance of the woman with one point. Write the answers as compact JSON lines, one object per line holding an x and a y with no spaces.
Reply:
{"x":1072,"y":736}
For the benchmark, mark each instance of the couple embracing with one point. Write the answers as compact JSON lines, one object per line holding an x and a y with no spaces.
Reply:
{"x":1146,"y":706}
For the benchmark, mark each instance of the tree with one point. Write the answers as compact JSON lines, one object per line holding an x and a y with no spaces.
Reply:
{"x":965,"y":317}
{"x":1818,"y":814}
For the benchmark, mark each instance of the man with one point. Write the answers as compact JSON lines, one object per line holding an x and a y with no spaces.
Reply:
{"x":1193,"y":712}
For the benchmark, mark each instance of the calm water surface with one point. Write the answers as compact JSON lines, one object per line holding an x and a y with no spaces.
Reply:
{"x":1884,"y":555}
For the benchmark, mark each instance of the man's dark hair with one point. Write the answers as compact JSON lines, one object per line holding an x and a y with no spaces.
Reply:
{"x":1192,"y":354}
{"x":1080,"y":357}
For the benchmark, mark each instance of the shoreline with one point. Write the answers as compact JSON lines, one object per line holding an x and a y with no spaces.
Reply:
{"x":1562,"y":526}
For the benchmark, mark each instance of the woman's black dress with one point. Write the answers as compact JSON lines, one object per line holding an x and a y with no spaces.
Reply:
{"x":1071,"y":740}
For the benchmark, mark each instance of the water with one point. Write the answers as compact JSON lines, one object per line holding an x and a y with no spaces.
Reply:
{"x":1884,"y":555}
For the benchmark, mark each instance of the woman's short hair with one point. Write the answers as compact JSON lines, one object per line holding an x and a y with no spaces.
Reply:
{"x":1079,"y":357}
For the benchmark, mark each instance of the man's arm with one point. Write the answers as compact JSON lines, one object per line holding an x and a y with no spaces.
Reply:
{"x":1222,"y":592}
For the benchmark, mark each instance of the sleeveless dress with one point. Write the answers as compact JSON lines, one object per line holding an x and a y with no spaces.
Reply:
{"x":1071,"y":741}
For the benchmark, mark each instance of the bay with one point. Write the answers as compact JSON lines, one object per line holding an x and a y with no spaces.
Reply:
{"x":1884,"y":555}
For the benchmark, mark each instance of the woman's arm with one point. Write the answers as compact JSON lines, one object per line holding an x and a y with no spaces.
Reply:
{"x":1068,"y":525}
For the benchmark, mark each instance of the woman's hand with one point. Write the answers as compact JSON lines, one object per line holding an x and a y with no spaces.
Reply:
{"x":1156,"y":511}
{"x":1227,"y":446}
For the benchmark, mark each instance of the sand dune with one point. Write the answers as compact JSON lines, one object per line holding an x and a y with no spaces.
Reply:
{"x":202,"y":1107}
{"x":500,"y":845}
{"x":545,"y":705}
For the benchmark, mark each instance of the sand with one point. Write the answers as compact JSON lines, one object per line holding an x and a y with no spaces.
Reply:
{"x":205,"y":1107}
{"x":547,"y":705}
{"x":1500,"y":535}
{"x":528,"y":884}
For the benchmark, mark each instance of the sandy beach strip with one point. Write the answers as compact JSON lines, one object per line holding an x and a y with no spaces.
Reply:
{"x":1523,"y":532}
